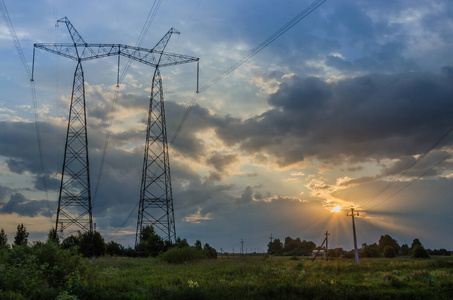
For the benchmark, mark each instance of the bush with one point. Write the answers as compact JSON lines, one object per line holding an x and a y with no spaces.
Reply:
{"x":183,"y":255}
{"x":419,"y":252}
{"x":39,"y":271}
{"x":209,"y":251}
{"x":114,"y":249}
{"x":389,"y":252}
{"x":349,"y":254}
{"x":88,"y":244}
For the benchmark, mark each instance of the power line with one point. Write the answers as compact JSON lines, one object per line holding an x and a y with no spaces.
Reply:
{"x":149,"y":20}
{"x":304,"y":13}
{"x":13,"y":34}
{"x":405,"y":171}
{"x":412,"y":181}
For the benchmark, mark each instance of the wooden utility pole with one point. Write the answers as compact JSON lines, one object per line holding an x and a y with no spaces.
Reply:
{"x":352,"y":213}
{"x":327,"y":244}
{"x":327,"y":247}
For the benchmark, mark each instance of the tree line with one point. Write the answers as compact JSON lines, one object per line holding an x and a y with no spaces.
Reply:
{"x":92,"y":244}
{"x":385,"y":247}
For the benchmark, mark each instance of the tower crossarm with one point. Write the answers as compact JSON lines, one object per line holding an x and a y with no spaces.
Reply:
{"x":85,"y":51}
{"x":155,"y":58}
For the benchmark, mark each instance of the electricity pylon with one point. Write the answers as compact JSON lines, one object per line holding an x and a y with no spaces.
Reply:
{"x":74,"y":202}
{"x":156,"y":198}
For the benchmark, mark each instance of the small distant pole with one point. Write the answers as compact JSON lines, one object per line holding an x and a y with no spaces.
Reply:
{"x":352,"y":213}
{"x":242,"y":247}
{"x":327,"y":244}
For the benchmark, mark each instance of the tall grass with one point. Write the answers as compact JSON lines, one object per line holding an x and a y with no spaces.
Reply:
{"x":276,"y":278}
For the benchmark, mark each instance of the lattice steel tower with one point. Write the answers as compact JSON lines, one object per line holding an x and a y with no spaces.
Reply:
{"x":74,"y":201}
{"x":156,"y":201}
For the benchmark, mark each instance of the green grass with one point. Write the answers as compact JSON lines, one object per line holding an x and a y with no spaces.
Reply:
{"x":250,"y":278}
{"x":282,"y":278}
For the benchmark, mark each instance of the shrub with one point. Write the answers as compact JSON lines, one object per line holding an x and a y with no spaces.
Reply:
{"x":209,"y":251}
{"x":349,"y":254}
{"x":39,"y":271}
{"x":114,"y":249}
{"x":389,"y":252}
{"x":183,"y":255}
{"x":419,"y":252}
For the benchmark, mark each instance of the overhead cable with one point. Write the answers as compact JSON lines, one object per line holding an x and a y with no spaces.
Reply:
{"x":412,"y":181}
{"x":405,"y":171}
{"x":149,"y":20}
{"x":13,"y":34}
{"x":304,"y":13}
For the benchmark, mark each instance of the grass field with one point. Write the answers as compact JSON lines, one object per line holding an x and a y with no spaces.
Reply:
{"x":265,"y":278}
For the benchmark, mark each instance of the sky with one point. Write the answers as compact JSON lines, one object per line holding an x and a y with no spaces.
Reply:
{"x":332,"y":113}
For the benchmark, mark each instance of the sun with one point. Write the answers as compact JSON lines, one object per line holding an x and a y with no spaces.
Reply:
{"x":336,"y":209}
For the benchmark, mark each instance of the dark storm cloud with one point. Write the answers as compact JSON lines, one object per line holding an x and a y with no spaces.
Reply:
{"x":420,"y":167}
{"x":187,"y":142}
{"x":19,"y":144}
{"x":374,"y":116}
{"x":45,"y":182}
{"x":4,"y":190}
{"x":25,"y":207}
{"x":221,"y":161}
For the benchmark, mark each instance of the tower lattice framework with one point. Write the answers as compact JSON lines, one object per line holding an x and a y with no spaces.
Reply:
{"x":74,"y":201}
{"x":156,"y":199}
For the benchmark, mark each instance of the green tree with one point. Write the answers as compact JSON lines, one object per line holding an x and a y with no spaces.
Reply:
{"x":151,"y":243}
{"x":389,"y":252}
{"x":52,"y":236}
{"x":210,"y":252}
{"x":92,"y":243}
{"x":405,"y":250}
{"x":3,"y":239}
{"x":274,"y":247}
{"x":415,"y":243}
{"x":114,"y":249}
{"x":21,"y":237}
{"x":181,"y":243}
{"x":198,"y":245}
{"x":372,"y":250}
{"x":419,"y":252}
{"x":387,"y":240}
{"x":71,"y":241}
{"x":307,"y":247}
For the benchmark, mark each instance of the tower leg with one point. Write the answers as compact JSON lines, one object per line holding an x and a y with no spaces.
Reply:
{"x":74,"y":201}
{"x":156,"y":199}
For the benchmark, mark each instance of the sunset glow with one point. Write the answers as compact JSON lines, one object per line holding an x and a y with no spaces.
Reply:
{"x":333,"y":113}
{"x":336,"y":209}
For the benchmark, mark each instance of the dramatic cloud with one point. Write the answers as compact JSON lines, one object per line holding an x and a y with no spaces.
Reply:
{"x":330,"y":113}
{"x":25,"y":207}
{"x":374,"y":116}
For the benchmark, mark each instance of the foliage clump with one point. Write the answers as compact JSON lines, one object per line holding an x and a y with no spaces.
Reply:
{"x":389,"y":252}
{"x":183,"y":255}
{"x":88,"y":243}
{"x":291,"y":247}
{"x":21,"y":237}
{"x":3,"y":240}
{"x":420,"y":252}
{"x":38,"y":271}
{"x":186,"y":254}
